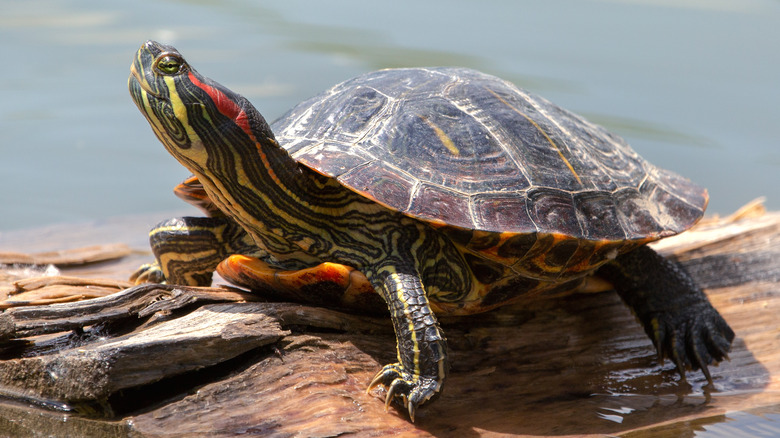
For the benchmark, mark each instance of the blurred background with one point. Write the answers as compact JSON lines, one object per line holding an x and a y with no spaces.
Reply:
{"x":693,"y":85}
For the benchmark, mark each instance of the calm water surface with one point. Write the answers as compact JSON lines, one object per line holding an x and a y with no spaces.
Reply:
{"x":692,"y":84}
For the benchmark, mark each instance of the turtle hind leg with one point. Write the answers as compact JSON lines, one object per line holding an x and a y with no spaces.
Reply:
{"x":675,"y":312}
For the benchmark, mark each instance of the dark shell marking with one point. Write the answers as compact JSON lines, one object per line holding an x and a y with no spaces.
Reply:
{"x":458,"y":147}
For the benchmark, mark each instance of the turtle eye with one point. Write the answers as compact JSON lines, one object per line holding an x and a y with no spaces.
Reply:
{"x":169,"y":64}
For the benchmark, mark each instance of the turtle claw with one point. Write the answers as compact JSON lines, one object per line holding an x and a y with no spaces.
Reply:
{"x":693,"y":343}
{"x":404,"y":387}
{"x":674,"y":311}
{"x":148,"y":273}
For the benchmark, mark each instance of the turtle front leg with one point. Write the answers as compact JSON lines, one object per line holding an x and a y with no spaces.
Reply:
{"x":421,"y":347}
{"x":187,"y":250}
{"x":675,"y":312}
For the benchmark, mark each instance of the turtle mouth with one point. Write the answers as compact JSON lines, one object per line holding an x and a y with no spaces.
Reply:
{"x":137,"y":81}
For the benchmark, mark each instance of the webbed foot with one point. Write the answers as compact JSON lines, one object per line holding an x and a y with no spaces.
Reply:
{"x":408,"y":389}
{"x":675,"y":312}
{"x":692,"y":338}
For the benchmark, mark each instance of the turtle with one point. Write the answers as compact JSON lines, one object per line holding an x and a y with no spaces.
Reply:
{"x":430,"y":191}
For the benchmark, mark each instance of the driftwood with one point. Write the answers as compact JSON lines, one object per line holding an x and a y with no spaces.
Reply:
{"x":36,"y":291}
{"x":171,"y":361}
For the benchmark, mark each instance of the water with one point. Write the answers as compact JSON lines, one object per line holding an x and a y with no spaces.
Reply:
{"x":691,"y":84}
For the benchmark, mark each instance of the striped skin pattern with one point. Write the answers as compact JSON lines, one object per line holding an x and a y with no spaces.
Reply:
{"x":322,"y":198}
{"x":299,"y":217}
{"x":189,"y":249}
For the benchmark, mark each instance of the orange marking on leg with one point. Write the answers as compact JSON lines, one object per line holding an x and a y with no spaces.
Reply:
{"x":255,"y":274}
{"x":322,"y":273}
{"x":248,"y":272}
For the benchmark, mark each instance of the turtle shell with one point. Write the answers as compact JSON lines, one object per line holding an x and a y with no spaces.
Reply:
{"x":458,"y":147}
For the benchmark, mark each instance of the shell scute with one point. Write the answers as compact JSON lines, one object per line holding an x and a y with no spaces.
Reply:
{"x":331,"y":159}
{"x":380,"y":181}
{"x":507,"y":211}
{"x":598,"y":216}
{"x":635,"y":213}
{"x":671,"y":209}
{"x":350,"y":115}
{"x":693,"y":195}
{"x":553,"y":211}
{"x":434,"y":202}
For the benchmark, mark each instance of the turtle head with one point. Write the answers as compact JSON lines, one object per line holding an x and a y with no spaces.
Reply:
{"x":196,"y":118}
{"x":215,"y":133}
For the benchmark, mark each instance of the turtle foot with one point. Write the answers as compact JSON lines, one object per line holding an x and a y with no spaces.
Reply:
{"x":406,"y":388}
{"x":692,"y":339}
{"x":148,"y":273}
{"x":675,"y":312}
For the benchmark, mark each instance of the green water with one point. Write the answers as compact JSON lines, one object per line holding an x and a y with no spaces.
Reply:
{"x":691,"y":84}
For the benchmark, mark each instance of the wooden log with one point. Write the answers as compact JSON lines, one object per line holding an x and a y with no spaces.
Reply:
{"x":579,"y":365}
{"x":190,"y":342}
{"x":147,"y":299}
{"x":22,"y":322}
{"x":36,"y":291}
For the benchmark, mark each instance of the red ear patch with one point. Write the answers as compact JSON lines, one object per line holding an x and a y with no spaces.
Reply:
{"x":224,"y":104}
{"x":243,"y":122}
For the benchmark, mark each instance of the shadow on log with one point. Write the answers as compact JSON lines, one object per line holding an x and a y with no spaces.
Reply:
{"x":158,"y":360}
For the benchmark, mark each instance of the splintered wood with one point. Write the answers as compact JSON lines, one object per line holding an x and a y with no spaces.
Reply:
{"x":226,"y":362}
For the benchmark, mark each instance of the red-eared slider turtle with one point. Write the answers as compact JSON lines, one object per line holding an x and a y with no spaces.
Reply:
{"x":450,"y":190}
